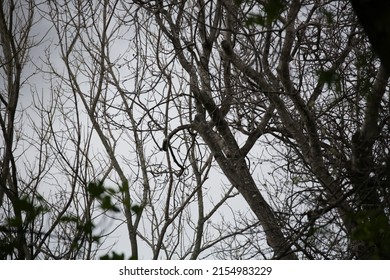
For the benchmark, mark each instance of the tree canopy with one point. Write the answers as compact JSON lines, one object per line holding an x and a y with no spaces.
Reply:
{"x":202,"y":129}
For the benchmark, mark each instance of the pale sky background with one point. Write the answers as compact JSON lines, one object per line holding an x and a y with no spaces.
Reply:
{"x":38,"y":87}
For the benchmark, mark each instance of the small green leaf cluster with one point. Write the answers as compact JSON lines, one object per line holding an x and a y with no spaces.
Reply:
{"x":271,"y":11}
{"x":104,"y":195}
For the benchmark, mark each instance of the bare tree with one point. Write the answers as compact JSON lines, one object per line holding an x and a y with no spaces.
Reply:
{"x":294,"y":74}
{"x":128,"y":90}
{"x":43,"y":215}
{"x":203,"y":129}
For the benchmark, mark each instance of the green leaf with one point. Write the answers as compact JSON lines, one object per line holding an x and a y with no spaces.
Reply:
{"x":7,"y":247}
{"x":96,"y":238}
{"x":273,"y":9}
{"x":256,"y":20}
{"x":95,"y":189}
{"x":14,"y":222}
{"x":87,"y":227}
{"x":24,"y":204}
{"x":330,"y":78}
{"x":125,"y":187}
{"x":114,"y":256}
{"x":69,"y":219}
{"x":108,"y":205}
{"x":136,"y":209}
{"x":111,"y":191}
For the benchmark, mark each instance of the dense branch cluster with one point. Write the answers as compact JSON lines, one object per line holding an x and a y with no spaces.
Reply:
{"x":198,"y":129}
